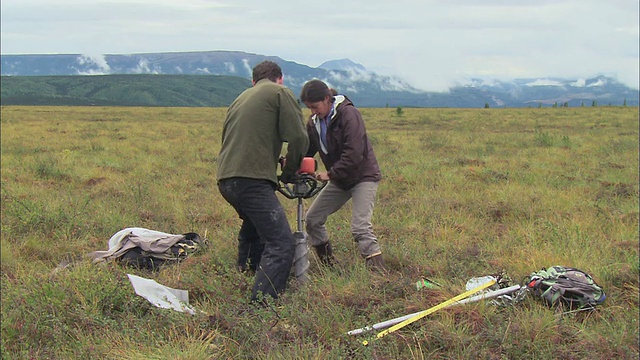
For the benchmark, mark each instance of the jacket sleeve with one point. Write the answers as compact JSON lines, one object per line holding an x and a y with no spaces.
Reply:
{"x":312,"y":133}
{"x":292,"y":131}
{"x":354,"y":145}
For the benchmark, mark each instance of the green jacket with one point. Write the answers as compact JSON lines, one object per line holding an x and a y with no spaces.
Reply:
{"x":258,"y":122}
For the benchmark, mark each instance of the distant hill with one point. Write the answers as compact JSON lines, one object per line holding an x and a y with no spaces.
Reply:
{"x":365,"y":88}
{"x":122,"y":90}
{"x":342,"y":64}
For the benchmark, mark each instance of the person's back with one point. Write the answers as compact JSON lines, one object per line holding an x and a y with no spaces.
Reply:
{"x":258,"y":122}
{"x":255,"y":127}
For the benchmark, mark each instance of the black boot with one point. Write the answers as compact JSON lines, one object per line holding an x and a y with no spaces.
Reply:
{"x":376,"y":263}
{"x":325,"y":254}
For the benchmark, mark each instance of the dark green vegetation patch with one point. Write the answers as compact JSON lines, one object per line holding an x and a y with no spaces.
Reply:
{"x":122,"y":90}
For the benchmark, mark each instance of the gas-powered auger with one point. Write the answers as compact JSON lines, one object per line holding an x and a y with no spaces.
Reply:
{"x":304,"y":186}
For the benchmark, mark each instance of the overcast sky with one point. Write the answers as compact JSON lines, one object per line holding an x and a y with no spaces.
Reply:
{"x":430,"y":44}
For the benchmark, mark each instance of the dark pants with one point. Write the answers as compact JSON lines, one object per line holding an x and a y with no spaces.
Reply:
{"x":265,"y":238}
{"x":250,"y":247}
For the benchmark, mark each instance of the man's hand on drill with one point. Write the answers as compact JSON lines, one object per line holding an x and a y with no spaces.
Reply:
{"x":322,"y":176}
{"x":288,"y":177}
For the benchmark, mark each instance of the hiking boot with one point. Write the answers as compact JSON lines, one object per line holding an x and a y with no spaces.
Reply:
{"x":325,"y":254}
{"x":376,"y":262}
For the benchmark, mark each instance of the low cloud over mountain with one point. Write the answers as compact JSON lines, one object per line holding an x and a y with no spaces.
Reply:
{"x":365,"y":88}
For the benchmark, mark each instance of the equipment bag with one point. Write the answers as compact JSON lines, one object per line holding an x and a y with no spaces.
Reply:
{"x":147,"y":248}
{"x":152,"y":260}
{"x":566,"y":286}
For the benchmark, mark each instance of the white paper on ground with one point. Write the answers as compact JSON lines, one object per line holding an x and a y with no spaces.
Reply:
{"x":477,"y":281}
{"x":161,"y":296}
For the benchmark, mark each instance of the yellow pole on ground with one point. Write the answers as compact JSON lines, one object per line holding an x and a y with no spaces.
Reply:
{"x":422,"y":314}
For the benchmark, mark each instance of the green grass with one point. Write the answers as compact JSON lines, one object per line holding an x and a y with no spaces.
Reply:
{"x":466,"y":193}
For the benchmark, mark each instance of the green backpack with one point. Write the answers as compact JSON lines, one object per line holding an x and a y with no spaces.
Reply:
{"x":566,"y":286}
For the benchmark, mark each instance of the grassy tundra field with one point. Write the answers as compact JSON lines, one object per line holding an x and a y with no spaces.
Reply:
{"x":466,"y":193}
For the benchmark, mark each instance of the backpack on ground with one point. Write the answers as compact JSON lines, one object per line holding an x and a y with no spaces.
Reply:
{"x":566,"y":286}
{"x":145,"y":248}
{"x":152,"y":260}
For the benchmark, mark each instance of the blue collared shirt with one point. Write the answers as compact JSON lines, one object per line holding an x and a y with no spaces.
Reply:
{"x":324,"y":124}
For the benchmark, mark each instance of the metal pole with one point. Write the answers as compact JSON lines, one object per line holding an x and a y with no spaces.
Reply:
{"x":490,"y":294}
{"x":300,"y":214}
{"x":386,"y":324}
{"x":443,"y":305}
{"x":300,"y":257}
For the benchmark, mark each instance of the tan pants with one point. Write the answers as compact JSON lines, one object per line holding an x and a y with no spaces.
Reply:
{"x":330,"y":200}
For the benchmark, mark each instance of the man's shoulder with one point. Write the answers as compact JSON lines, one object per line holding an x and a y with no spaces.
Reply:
{"x":271,"y":87}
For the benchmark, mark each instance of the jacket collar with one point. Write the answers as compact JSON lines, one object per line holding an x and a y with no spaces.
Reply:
{"x":338,"y":99}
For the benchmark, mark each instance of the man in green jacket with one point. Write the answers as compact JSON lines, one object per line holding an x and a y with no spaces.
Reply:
{"x":258,"y":122}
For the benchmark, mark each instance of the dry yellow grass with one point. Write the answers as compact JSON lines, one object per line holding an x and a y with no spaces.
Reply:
{"x":466,"y":192}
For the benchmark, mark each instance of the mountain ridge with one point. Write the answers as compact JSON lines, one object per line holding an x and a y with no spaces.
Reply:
{"x":365,"y":88}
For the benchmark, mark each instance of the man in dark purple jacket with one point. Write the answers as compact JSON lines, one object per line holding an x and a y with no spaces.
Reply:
{"x":336,"y":131}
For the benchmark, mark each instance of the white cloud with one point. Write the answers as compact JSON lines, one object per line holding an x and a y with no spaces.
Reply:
{"x":600,"y":82}
{"x":144,"y":68}
{"x":359,"y":75}
{"x":431,"y":44}
{"x":247,"y":67}
{"x":351,"y":90}
{"x":544,"y":82}
{"x":97,"y":63}
{"x":578,"y":83}
{"x":230,"y":67}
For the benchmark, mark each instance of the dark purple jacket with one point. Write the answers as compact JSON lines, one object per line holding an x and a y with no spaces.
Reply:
{"x":349,"y":157}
